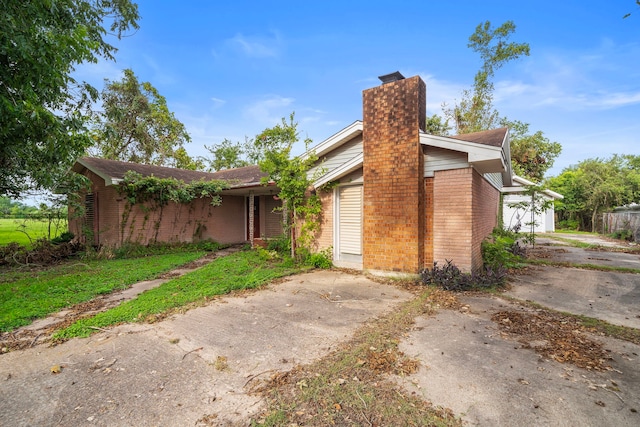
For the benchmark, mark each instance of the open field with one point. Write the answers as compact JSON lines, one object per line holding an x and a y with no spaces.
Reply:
{"x":10,"y":230}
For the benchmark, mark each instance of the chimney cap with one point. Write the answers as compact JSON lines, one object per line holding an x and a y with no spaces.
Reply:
{"x":390,"y":78}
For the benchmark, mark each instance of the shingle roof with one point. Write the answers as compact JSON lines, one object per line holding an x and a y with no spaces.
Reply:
{"x":116,"y":170}
{"x":493,"y":137}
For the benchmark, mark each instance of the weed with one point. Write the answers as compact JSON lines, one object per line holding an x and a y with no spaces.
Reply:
{"x":451,"y":278}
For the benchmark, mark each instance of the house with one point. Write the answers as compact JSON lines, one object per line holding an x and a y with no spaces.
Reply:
{"x":395,"y":199}
{"x":402,"y":199}
{"x":246,"y":213}
{"x":517,"y":209}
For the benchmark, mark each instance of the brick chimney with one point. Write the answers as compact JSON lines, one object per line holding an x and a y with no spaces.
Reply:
{"x":394,"y":193}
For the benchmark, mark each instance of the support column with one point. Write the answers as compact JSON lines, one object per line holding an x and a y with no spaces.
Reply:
{"x":251,"y":217}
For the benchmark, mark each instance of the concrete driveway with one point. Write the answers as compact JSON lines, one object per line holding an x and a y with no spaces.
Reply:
{"x":184,"y":369}
{"x":195,"y":368}
{"x":490,"y":379}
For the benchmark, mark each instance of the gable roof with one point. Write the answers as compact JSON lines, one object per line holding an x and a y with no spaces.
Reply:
{"x":492,"y":137}
{"x":113,"y":172}
{"x":520,"y":182}
{"x":487,"y":151}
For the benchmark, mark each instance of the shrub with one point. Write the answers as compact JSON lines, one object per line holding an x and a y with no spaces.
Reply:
{"x":280,"y":244}
{"x":320,"y":259}
{"x":624,"y":234}
{"x":449,"y":277}
{"x":502,"y":250}
{"x":65,"y":237}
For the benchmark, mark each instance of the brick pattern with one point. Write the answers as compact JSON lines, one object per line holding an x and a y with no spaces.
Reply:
{"x":180,"y":223}
{"x":465,"y":212}
{"x":324,"y":236}
{"x":393,"y":211}
{"x":486,"y":203}
{"x":428,"y":233}
{"x":452,"y":216}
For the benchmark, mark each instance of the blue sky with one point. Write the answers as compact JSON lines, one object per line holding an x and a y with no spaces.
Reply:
{"x":231,"y":69}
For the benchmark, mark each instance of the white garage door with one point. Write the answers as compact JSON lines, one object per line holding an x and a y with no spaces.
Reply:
{"x":350,"y":221}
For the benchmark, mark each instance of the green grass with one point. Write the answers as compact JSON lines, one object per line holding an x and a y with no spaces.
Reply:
{"x":241,"y":270}
{"x":10,"y":231}
{"x":584,"y":266}
{"x":25,"y":296}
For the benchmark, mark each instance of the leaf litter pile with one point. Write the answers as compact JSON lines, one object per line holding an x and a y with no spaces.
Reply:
{"x":560,"y":338}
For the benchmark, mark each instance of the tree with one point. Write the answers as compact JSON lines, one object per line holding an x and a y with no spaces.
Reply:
{"x":136,"y":124}
{"x":291,"y":177}
{"x":594,"y":186}
{"x":475,"y":111}
{"x":437,"y":125}
{"x":532,"y":155}
{"x":226,"y":155}
{"x":43,"y":109}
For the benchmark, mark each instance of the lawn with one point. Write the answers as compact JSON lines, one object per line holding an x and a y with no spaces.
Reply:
{"x":10,"y":231}
{"x":238,"y":271}
{"x":25,"y":296}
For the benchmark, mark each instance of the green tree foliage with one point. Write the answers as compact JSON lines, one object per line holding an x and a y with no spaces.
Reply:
{"x":291,"y":176}
{"x":136,"y":124}
{"x":43,"y":109}
{"x":437,"y":125}
{"x":475,"y":112}
{"x":226,"y":155}
{"x":532,"y":155}
{"x":594,"y":186}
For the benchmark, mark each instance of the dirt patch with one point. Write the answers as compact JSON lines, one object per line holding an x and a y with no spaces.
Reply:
{"x":555,"y":336}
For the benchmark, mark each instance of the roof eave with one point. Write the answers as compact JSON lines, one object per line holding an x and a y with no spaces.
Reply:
{"x":335,"y":140}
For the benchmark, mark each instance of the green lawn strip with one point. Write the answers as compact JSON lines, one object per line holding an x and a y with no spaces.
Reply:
{"x":25,"y":296}
{"x":242,"y":270}
{"x":10,"y":231}
{"x":571,"y":242}
{"x":583,"y":266}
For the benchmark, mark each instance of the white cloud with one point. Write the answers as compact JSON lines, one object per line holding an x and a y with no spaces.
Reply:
{"x":217,"y":102}
{"x":269,"y":111}
{"x":256,"y":46}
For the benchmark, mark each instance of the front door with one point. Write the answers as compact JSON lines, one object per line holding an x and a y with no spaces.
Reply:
{"x":256,"y":217}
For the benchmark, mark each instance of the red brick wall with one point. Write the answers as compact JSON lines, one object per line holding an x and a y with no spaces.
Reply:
{"x":465,"y":212}
{"x":486,"y":202}
{"x":324,"y":237}
{"x":428,"y":233}
{"x":393,"y":212}
{"x":180,"y":223}
{"x":452,"y":216}
{"x":187,"y":223}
